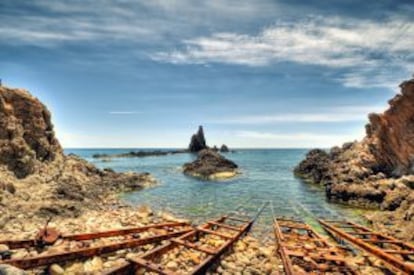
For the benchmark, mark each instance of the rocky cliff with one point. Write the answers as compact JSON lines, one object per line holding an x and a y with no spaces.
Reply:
{"x":36,"y":178}
{"x":26,"y":132}
{"x":198,"y":141}
{"x":377,"y":172}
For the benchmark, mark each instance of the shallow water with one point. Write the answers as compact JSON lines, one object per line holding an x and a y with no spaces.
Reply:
{"x":266,"y":176}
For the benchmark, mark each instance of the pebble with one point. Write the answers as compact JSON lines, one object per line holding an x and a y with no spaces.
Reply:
{"x":3,"y":248}
{"x":173,"y":266}
{"x":56,"y":269}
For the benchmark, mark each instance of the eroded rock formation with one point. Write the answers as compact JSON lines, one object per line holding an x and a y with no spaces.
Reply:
{"x":376,"y":172}
{"x":26,"y":132}
{"x":36,"y":178}
{"x":211,"y":165}
{"x":198,"y":141}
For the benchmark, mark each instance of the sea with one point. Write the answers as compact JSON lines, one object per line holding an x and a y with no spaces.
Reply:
{"x":266,"y":178}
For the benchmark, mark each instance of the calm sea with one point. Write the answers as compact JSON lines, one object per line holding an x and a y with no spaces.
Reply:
{"x":266,"y":177}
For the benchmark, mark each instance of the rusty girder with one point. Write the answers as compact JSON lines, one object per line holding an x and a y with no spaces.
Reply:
{"x":235,"y":226}
{"x":396,"y":254}
{"x":131,"y":240}
{"x":299,"y":245}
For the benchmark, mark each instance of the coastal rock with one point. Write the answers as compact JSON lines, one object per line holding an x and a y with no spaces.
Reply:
{"x":198,"y":141}
{"x":224,"y":149}
{"x":26,"y":132}
{"x":377,"y":171}
{"x":37,"y":178}
{"x":211,"y":165}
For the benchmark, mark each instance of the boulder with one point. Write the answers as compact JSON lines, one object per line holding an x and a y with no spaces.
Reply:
{"x":211,"y":165}
{"x":224,"y":149}
{"x":198,"y":141}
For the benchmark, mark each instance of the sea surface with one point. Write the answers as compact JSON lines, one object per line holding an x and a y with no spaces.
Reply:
{"x":266,"y":176}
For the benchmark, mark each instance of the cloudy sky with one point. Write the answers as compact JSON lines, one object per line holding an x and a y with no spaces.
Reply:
{"x":255,"y":73}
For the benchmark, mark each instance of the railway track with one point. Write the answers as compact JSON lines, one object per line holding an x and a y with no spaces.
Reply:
{"x":303,"y":251}
{"x":117,"y":240}
{"x":194,"y":252}
{"x":397,"y":255}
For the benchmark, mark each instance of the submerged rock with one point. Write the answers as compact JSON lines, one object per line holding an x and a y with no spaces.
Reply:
{"x":198,"y":141}
{"x":211,"y":165}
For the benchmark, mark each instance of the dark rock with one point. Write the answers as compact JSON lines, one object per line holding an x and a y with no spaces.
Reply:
{"x":10,"y":188}
{"x":314,"y":167}
{"x":208,"y":164}
{"x":224,"y":148}
{"x":198,"y":141}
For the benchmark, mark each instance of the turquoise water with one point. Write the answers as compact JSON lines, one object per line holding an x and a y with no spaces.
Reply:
{"x":266,"y":176}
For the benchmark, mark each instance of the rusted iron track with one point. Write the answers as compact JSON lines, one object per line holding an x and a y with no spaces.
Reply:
{"x":26,"y":243}
{"x":395,"y":253}
{"x":150,"y":260}
{"x":130,"y":242}
{"x":299,"y":245}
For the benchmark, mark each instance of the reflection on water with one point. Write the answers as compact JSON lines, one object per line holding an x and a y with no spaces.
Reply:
{"x":266,"y":176}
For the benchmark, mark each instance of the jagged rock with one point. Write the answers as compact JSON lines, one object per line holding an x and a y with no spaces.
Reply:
{"x":315,"y":166}
{"x":37,"y":179}
{"x":198,"y":141}
{"x":211,"y":165}
{"x":26,"y":132}
{"x":224,"y":148}
{"x":376,"y":172}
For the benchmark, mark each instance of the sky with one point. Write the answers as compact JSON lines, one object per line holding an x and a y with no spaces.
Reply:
{"x":254,"y":73}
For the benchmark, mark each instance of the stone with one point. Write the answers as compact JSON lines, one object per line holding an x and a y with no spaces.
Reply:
{"x":3,"y":248}
{"x":210,"y":165}
{"x":173,"y":266}
{"x":11,"y":270}
{"x":198,"y":141}
{"x":56,"y":269}
{"x":10,"y":188}
{"x":224,"y":149}
{"x":93,"y":265}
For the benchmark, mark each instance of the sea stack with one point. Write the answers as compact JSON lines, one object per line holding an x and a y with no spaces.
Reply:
{"x":377,"y":172}
{"x":198,"y":141}
{"x":210,"y":165}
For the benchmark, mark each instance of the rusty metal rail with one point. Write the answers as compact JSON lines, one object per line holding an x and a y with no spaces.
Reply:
{"x":131,"y":239}
{"x":304,"y":251}
{"x":234,"y":226}
{"x":396,"y":254}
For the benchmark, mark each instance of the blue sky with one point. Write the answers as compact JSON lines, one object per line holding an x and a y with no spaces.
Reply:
{"x":255,"y":73}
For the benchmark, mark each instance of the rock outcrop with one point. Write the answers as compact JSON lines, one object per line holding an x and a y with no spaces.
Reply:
{"x":198,"y":141}
{"x":36,"y":178}
{"x":376,"y":172}
{"x":26,"y":132}
{"x":224,"y":148}
{"x":211,"y":165}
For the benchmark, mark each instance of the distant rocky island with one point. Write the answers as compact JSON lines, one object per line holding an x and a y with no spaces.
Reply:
{"x":197,"y":144}
{"x":209,"y":165}
{"x":377,"y":172}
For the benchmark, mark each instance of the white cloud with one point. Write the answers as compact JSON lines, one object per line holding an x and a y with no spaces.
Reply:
{"x":337,"y":114}
{"x":364,"y":46}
